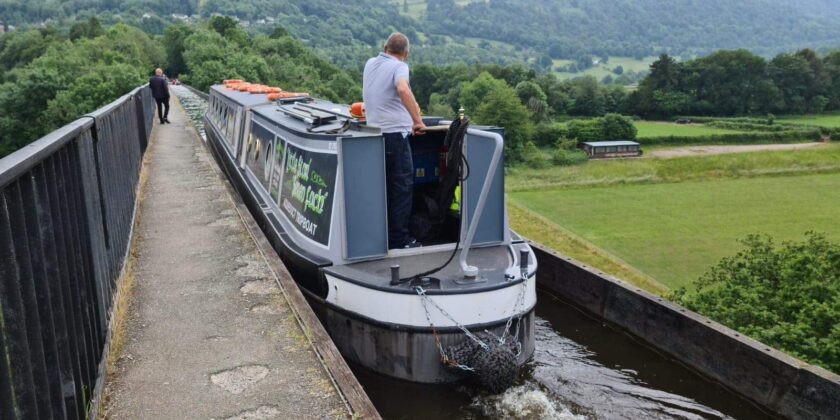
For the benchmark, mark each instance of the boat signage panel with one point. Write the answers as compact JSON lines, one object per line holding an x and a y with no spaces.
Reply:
{"x":308,"y":189}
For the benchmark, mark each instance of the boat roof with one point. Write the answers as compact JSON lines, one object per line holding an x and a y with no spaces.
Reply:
{"x":242,"y":98}
{"x":611,"y":143}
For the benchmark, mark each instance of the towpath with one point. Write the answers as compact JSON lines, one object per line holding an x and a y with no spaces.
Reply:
{"x":208,"y":333}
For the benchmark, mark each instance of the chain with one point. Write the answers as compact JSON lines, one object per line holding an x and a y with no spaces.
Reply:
{"x":443,"y":357}
{"x":520,"y":303}
{"x":420,"y":291}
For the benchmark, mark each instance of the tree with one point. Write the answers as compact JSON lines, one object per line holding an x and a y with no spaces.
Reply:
{"x":173,"y":42}
{"x":90,"y":29}
{"x":473,"y":94}
{"x":533,"y":97}
{"x":588,"y":97}
{"x":501,"y":107}
{"x":785,"y":296}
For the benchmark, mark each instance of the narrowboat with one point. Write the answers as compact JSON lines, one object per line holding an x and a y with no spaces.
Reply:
{"x":313,"y":176}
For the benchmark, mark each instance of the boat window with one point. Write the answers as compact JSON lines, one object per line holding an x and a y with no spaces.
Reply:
{"x":277,"y":169}
{"x":260,"y":153}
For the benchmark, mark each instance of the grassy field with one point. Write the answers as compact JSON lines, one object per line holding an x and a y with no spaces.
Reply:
{"x":825,"y":120}
{"x":823,"y":159}
{"x":674,"y":232}
{"x":661,"y":128}
{"x":601,"y":70}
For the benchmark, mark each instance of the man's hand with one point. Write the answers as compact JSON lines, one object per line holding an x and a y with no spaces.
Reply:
{"x":417,"y":128}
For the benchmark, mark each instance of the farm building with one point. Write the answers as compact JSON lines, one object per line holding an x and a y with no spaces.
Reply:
{"x":611,"y":149}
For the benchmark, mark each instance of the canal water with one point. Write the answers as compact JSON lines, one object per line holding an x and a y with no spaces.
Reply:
{"x":582,"y":369}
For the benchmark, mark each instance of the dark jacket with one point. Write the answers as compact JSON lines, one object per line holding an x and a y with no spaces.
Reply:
{"x":158,"y":86}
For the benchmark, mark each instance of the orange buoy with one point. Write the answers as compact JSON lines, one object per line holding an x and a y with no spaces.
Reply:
{"x":282,"y":95}
{"x":258,"y":89}
{"x":243,"y":87}
{"x":273,"y":89}
{"x":231,"y":81}
{"x":357,"y":110}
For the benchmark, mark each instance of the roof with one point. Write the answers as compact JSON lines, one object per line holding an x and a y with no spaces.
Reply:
{"x":611,"y":143}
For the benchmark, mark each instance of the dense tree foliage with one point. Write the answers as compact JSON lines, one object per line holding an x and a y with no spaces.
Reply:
{"x":52,"y":80}
{"x":579,"y":30}
{"x":495,"y":31}
{"x":221,"y":50}
{"x":738,"y":82}
{"x":786,"y":296}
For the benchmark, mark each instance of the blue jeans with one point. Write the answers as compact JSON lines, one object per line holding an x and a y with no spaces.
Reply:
{"x":399,"y":178}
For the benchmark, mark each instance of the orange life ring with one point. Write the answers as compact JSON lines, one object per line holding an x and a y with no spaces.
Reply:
{"x":357,"y":110}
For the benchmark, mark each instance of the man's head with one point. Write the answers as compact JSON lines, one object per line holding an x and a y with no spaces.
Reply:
{"x":397,"y":45}
{"x":158,"y":72}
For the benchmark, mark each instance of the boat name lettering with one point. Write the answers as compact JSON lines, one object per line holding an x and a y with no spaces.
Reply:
{"x":299,"y":218}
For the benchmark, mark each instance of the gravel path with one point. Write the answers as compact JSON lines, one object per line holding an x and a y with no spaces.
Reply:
{"x":724,"y":149}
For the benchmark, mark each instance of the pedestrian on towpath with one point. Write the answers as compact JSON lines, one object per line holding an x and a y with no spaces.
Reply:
{"x":390,"y":105}
{"x":160,"y":91}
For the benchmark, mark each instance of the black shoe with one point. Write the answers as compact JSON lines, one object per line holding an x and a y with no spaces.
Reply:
{"x":161,"y":121}
{"x":166,"y":120}
{"x":412,"y":244}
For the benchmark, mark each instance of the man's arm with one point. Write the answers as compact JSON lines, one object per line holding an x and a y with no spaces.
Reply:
{"x":411,"y":105}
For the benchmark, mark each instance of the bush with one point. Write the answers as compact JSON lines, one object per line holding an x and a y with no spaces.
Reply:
{"x":549,"y":133}
{"x":585,"y":130}
{"x":565,"y":157}
{"x":787,"y":297}
{"x":533,"y":157}
{"x":754,"y":137}
{"x":617,"y":127}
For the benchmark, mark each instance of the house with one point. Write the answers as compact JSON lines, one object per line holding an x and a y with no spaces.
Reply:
{"x":611,"y":149}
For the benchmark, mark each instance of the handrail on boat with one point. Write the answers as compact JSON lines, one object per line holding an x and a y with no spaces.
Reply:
{"x":466,"y":243}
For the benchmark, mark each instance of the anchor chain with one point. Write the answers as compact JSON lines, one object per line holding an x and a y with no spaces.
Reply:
{"x":517,"y":309}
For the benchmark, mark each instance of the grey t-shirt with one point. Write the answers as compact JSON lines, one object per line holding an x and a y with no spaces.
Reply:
{"x":383,"y":107}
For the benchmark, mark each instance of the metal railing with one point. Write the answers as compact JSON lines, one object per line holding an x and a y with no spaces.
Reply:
{"x":66,"y":214}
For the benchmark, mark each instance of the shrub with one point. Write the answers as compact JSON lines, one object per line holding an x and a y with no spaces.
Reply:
{"x":565,"y":157}
{"x":549,"y":133}
{"x":533,"y":156}
{"x":785,"y":296}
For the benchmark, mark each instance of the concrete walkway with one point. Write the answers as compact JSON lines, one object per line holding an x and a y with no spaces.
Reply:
{"x":209,"y":334}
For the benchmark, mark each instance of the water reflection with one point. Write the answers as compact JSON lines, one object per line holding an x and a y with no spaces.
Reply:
{"x":194,"y":105}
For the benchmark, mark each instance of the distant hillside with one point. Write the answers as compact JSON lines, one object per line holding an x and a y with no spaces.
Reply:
{"x":493,"y":31}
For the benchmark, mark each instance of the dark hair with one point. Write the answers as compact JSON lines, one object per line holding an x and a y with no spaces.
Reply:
{"x":397,"y":43}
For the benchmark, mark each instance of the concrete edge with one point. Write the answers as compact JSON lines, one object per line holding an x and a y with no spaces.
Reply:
{"x":765,"y":376}
{"x":346,"y":385}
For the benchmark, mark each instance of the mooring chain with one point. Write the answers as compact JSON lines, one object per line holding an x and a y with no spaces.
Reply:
{"x":443,"y":357}
{"x":420,"y":291}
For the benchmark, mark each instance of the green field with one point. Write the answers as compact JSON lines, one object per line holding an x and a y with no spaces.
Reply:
{"x":674,"y":232}
{"x":601,"y":70}
{"x":825,"y":120}
{"x":822,"y":159}
{"x":662,"y":128}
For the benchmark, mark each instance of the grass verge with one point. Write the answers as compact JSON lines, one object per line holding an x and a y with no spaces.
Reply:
{"x":674,"y":232}
{"x":537,"y":228}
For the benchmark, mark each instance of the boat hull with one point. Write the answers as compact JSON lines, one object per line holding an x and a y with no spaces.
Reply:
{"x":403,"y":352}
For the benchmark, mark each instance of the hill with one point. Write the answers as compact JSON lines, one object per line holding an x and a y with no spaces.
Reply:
{"x":493,"y":31}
